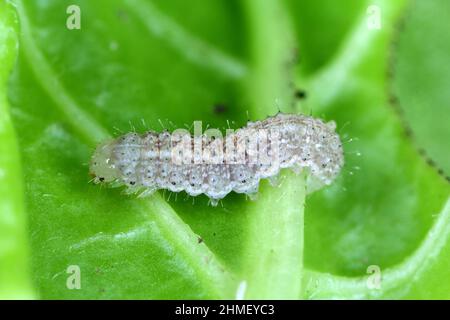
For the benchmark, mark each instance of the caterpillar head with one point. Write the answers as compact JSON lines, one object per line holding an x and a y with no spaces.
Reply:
{"x":101,"y":167}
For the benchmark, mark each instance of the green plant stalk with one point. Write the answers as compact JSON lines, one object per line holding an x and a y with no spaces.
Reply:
{"x":272,"y":51}
{"x":14,"y":273}
{"x":274,"y":250}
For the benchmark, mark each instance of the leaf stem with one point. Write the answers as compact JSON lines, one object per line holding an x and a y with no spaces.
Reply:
{"x":272,"y":49}
{"x":274,"y":249}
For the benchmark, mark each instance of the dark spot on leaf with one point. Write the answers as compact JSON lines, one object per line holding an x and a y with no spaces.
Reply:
{"x":300,"y":94}
{"x":220,"y":108}
{"x":431,"y":162}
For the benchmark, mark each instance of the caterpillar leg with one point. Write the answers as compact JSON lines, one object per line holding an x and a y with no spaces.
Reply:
{"x":214,"y":202}
{"x":146,"y":193}
{"x":275,"y":181}
{"x":253,"y":195}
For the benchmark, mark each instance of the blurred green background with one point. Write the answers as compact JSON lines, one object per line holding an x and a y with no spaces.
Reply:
{"x":223,"y":62}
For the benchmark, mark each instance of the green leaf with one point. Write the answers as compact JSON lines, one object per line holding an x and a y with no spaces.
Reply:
{"x":421,"y":76}
{"x":321,"y":27}
{"x":124,"y":247}
{"x":388,"y":197}
{"x":14,"y":273}
{"x":173,"y":62}
{"x":384,"y":203}
{"x":420,"y":276}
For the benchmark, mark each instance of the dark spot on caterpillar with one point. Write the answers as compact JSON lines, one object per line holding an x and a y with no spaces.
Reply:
{"x":132,"y":183}
{"x":101,"y":179}
{"x":199,"y":240}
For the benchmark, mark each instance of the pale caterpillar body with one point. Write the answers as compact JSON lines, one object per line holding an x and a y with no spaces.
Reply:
{"x":215,"y":166}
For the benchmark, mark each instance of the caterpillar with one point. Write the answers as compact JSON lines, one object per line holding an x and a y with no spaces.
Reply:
{"x":207,"y":163}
